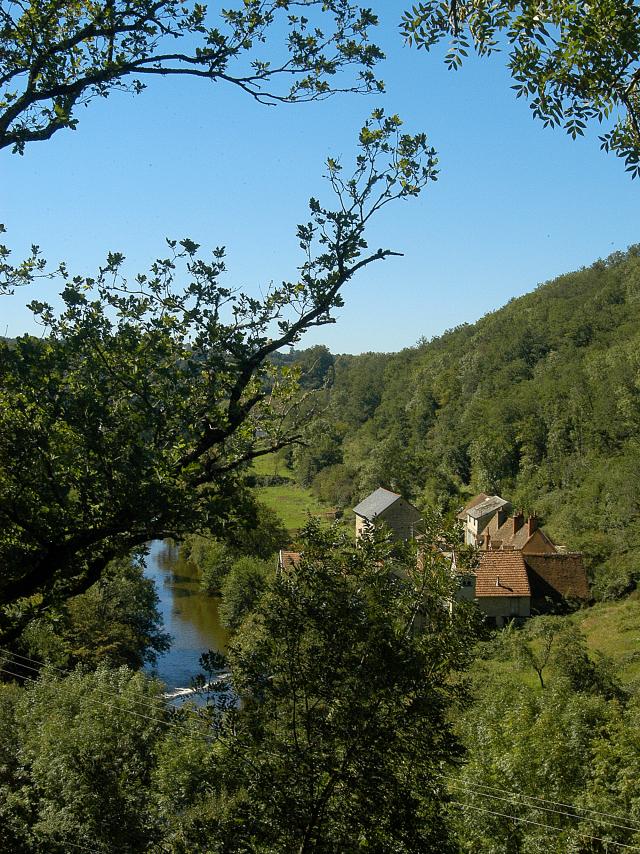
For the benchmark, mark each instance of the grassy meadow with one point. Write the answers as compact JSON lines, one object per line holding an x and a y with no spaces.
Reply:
{"x":613,"y":629}
{"x":292,"y":502}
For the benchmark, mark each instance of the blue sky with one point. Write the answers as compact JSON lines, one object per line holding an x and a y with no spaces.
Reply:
{"x":515,"y":204}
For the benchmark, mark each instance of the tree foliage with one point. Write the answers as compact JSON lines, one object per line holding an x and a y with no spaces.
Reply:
{"x":56,"y":56}
{"x":132,"y":418}
{"x":574,"y":62}
{"x":242,"y":588}
{"x":547,"y":767}
{"x":77,"y":755}
{"x":539,"y":401}
{"x":349,"y":667}
{"x":116,"y":622}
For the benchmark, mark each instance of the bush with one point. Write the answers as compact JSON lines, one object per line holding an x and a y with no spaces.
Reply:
{"x":242,"y":588}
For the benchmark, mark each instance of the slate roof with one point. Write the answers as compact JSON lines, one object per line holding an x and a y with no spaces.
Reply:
{"x":462,"y":515}
{"x":489,"y":505}
{"x":376,"y":503}
{"x":502,"y":574}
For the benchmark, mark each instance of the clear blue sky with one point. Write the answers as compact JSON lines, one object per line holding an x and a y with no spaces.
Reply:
{"x":515,"y":204}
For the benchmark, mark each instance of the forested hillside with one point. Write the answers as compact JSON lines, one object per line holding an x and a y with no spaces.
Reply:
{"x":539,"y":401}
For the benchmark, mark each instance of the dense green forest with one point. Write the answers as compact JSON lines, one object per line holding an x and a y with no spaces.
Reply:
{"x":358,"y":707}
{"x":539,"y":401}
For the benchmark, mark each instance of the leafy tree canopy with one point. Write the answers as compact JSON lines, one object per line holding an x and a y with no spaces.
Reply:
{"x":55,"y":56}
{"x":134,"y":416}
{"x":350,"y":667}
{"x":116,"y":622}
{"x":574,"y":62}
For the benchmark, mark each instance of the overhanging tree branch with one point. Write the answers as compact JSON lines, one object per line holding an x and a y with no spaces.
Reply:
{"x":154,"y":395}
{"x":55,"y":55}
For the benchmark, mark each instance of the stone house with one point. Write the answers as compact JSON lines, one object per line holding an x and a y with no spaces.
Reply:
{"x":385,"y":507}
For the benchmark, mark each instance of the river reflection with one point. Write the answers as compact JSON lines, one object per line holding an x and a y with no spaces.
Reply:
{"x":189,"y":615}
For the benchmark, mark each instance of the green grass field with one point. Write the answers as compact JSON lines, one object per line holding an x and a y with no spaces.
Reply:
{"x":610,"y":628}
{"x":293,"y":503}
{"x":613,"y":628}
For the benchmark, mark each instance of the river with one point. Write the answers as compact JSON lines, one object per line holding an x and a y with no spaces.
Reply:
{"x":189,"y":615}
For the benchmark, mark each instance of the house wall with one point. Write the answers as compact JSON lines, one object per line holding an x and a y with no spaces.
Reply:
{"x":470,"y":531}
{"x":505,"y":607}
{"x":495,"y":522}
{"x":466,"y":590}
{"x":362,"y":525}
{"x":401,"y":518}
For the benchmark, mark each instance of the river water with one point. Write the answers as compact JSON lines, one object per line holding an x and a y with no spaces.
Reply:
{"x":189,"y":615}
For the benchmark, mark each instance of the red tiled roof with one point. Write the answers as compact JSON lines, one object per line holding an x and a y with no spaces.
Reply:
{"x":288,"y":560}
{"x":502,"y":574}
{"x":558,"y":574}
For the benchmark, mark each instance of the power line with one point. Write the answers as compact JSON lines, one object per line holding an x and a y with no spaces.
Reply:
{"x":547,"y":826}
{"x":513,"y":796}
{"x":42,"y":664}
{"x":629,"y":826}
{"x":112,"y":705}
{"x":66,"y":842}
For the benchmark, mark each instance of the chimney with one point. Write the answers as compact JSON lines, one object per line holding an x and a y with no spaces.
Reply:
{"x":487,"y":542}
{"x":501,"y":517}
{"x":532,"y":524}
{"x":518,"y":521}
{"x":497,"y":581}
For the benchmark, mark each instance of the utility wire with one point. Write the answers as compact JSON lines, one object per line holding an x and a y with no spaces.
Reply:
{"x":547,"y":826}
{"x":569,"y":806}
{"x":513,"y":796}
{"x":66,"y":842}
{"x":112,"y":705}
{"x":103,"y":691}
{"x":42,"y":664}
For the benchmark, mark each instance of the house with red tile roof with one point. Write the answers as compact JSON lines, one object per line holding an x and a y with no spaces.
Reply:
{"x":514,"y":532}
{"x":511,"y":584}
{"x":502,"y":588}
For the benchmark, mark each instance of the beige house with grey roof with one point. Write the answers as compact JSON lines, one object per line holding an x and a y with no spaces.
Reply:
{"x":385,"y":507}
{"x":477,"y":514}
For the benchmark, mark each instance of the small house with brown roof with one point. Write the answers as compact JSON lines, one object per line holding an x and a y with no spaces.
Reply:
{"x":502,"y":589}
{"x":514,"y":532}
{"x":512,"y":584}
{"x":385,"y":507}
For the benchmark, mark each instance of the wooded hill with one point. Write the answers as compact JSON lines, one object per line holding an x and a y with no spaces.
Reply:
{"x":539,"y":401}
